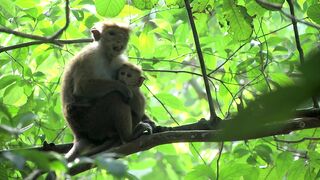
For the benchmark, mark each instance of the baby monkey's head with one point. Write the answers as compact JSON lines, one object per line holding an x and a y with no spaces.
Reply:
{"x":130,"y":75}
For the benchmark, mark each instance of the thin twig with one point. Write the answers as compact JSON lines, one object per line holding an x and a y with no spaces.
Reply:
{"x":213,"y":115}
{"x":213,"y":71}
{"x":162,"y":104}
{"x":298,"y":44}
{"x":165,"y":108}
{"x":188,"y":72}
{"x":300,"y":21}
{"x":291,"y":16}
{"x":218,"y":160}
{"x":58,"y":34}
{"x":297,"y":141}
{"x":39,"y":39}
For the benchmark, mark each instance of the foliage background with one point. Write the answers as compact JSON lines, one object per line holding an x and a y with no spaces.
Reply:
{"x":248,"y":50}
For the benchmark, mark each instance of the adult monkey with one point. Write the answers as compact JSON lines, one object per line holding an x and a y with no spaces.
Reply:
{"x":94,"y":103}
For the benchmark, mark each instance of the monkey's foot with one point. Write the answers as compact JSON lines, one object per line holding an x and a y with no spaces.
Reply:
{"x":140,"y":129}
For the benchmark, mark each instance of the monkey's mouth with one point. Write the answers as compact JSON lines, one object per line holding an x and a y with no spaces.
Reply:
{"x":117,"y":48}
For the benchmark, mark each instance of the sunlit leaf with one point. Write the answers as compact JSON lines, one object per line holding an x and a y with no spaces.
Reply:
{"x":283,"y":163}
{"x":144,"y":4}
{"x":7,"y":80}
{"x":170,"y":3}
{"x":14,"y":95}
{"x":201,"y":172}
{"x":171,"y":101}
{"x":8,"y":6}
{"x":240,"y":23}
{"x":26,"y":4}
{"x":109,"y":8}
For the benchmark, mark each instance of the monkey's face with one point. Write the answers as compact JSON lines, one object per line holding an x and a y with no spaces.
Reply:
{"x":130,"y":77}
{"x":115,"y":39}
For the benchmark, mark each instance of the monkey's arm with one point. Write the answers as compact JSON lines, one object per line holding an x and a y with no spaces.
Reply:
{"x":94,"y":88}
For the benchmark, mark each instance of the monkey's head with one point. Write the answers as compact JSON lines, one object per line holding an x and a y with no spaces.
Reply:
{"x":130,"y":75}
{"x":112,"y":37}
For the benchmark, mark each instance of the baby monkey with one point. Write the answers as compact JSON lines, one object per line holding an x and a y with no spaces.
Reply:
{"x":131,"y":75}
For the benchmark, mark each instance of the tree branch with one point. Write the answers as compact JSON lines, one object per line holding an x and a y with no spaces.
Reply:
{"x":24,"y":35}
{"x":201,"y":131}
{"x":218,"y":135}
{"x":213,"y":115}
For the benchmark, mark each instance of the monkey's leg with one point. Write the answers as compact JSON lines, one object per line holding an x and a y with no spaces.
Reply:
{"x":79,"y":146}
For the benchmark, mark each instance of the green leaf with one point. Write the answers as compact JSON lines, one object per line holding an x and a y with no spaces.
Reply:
{"x":109,"y":8}
{"x":283,"y":163}
{"x":281,"y":79}
{"x":201,"y":172}
{"x":7,"y":80}
{"x":240,"y":23}
{"x":89,"y":22}
{"x":171,"y":101}
{"x":26,"y":4}
{"x":314,"y":159}
{"x":264,"y":152}
{"x":41,"y":159}
{"x":252,"y":160}
{"x":8,"y":6}
{"x":199,"y":5}
{"x":297,"y":170}
{"x":14,"y":95}
{"x":236,"y":170}
{"x":114,"y":167}
{"x":145,"y":4}
{"x":314,"y":13}
{"x":170,"y":3}
{"x":79,"y":14}
{"x":240,"y":152}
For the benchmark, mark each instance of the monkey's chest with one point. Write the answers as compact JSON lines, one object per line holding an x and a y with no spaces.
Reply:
{"x":102,"y":72}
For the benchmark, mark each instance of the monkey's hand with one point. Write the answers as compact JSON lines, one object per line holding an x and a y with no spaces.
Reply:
{"x":126,"y":93}
{"x":140,"y":129}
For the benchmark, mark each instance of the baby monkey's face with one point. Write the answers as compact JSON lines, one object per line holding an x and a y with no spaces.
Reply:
{"x":130,"y":76}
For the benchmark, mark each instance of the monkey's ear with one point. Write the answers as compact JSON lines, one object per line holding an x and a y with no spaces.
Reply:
{"x":140,"y":81}
{"x":96,"y":34}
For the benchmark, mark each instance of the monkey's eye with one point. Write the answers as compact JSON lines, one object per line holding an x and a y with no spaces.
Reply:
{"x":122,"y":73}
{"x":112,"y":33}
{"x":129,"y":75}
